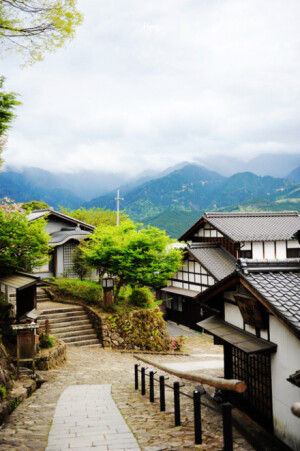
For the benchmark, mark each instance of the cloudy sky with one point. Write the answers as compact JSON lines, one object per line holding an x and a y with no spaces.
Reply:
{"x":150,"y":84}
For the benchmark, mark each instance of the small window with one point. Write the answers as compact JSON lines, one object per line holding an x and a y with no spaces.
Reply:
{"x":246,"y":254}
{"x":293,"y":253}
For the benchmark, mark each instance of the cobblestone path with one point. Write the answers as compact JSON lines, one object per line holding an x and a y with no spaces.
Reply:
{"x":28,"y":426}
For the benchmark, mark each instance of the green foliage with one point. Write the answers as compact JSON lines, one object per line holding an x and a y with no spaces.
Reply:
{"x":8,"y":103}
{"x":34,"y":205}
{"x":32,"y":27}
{"x":87,"y":291}
{"x":15,"y":403}
{"x":95,"y":216}
{"x":23,"y":244}
{"x":80,"y":266}
{"x":141,"y":297}
{"x":8,"y":335}
{"x":46,"y":341}
{"x":3,"y":393}
{"x":136,"y":257}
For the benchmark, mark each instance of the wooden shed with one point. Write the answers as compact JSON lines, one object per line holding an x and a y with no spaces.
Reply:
{"x":20,"y":290}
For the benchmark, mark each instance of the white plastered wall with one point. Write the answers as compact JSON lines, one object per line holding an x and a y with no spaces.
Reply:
{"x":285,"y":361}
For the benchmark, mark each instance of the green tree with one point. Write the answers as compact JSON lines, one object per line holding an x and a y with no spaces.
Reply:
{"x":34,"y":205}
{"x":23,"y":244}
{"x":8,"y":102}
{"x":80,"y":266}
{"x":136,"y":257}
{"x":36,"y":26}
{"x":95,"y":216}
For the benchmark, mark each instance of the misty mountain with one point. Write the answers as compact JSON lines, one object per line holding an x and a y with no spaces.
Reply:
{"x":194,"y":187}
{"x":83,"y":184}
{"x":294,"y":175}
{"x":16,"y":186}
{"x":276,"y":165}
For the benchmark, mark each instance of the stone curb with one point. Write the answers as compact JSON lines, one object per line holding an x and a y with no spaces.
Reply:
{"x":17,"y":395}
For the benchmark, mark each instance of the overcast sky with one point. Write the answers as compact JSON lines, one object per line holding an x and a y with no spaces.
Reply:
{"x":148,"y":84}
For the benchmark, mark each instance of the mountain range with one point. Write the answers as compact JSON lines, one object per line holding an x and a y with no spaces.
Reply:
{"x":172,"y":199}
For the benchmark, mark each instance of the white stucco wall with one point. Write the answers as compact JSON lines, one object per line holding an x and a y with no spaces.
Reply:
{"x":280,"y":249}
{"x":285,"y":362}
{"x":233,"y":315}
{"x":257,"y":249}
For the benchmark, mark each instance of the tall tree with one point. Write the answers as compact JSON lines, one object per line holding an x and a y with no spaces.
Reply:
{"x":35,"y":26}
{"x":95,"y":216}
{"x":23,"y":244}
{"x":8,"y":102}
{"x":136,"y":257}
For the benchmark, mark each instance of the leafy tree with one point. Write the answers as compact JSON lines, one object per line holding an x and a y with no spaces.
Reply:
{"x":34,"y":205}
{"x":8,"y":103}
{"x":136,"y":257}
{"x":23,"y":244}
{"x":95,"y":216}
{"x":80,"y":266}
{"x":35,"y":26}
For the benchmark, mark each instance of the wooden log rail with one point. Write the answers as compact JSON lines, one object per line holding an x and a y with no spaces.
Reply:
{"x":296,"y":409}
{"x":223,"y":384}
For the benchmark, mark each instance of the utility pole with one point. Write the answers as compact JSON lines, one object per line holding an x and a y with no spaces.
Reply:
{"x":118,"y":198}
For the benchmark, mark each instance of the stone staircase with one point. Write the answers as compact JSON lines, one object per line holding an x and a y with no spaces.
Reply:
{"x":70,"y":324}
{"x":41,"y":295}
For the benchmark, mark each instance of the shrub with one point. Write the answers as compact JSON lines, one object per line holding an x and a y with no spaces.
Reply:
{"x":141,"y":297}
{"x":177,"y":343}
{"x":2,"y":392}
{"x":46,"y":341}
{"x":84,"y":290}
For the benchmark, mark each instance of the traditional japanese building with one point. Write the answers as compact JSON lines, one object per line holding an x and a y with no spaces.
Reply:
{"x":66,"y":233}
{"x":214,"y":244}
{"x":255,"y":314}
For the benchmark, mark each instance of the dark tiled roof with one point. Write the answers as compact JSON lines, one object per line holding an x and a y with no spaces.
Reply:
{"x":214,"y":258}
{"x":268,"y":226}
{"x":35,"y":214}
{"x":279,"y":286}
{"x":65,"y":235}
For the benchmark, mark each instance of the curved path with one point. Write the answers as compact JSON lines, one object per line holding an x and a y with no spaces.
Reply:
{"x":28,"y":426}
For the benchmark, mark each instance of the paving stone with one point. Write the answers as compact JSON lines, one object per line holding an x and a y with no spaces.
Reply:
{"x":154,"y":430}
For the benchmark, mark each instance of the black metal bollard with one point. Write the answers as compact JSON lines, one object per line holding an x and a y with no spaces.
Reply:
{"x":227,"y":426}
{"x":151,"y":379}
{"x":143,"y":381}
{"x":162,"y":393}
{"x":197,"y":417}
{"x":177,"y":404}
{"x":136,"y":376}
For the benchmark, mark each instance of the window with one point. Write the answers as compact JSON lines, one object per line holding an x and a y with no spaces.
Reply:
{"x":293,"y":253}
{"x":246,"y":254}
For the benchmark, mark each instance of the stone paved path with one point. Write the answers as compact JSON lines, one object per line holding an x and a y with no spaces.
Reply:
{"x":86,"y":418}
{"x":28,"y":426}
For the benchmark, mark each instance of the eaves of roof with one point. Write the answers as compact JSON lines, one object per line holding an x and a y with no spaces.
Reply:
{"x":59,"y":215}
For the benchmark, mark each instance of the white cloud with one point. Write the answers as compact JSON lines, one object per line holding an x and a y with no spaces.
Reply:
{"x":150,"y":84}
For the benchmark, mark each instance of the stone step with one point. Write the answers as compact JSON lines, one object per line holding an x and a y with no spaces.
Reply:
{"x":65,"y":325}
{"x":67,"y":314}
{"x":85,"y":343}
{"x":75,"y":333}
{"x":75,"y":339}
{"x":70,"y":327}
{"x":61,"y":310}
{"x":65,"y":319}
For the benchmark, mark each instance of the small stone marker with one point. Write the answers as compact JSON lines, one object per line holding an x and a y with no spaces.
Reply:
{"x":86,"y":417}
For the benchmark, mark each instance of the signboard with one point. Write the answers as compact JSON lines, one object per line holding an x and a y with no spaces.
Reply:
{"x":26,"y":342}
{"x":252,"y":312}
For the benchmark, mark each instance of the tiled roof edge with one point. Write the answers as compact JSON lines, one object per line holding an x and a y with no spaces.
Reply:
{"x":246,"y":265}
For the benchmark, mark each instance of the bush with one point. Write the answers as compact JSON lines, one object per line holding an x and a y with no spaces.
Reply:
{"x":141,"y":297}
{"x":84,"y":290}
{"x":177,"y":343}
{"x":46,"y":341}
{"x":2,"y":392}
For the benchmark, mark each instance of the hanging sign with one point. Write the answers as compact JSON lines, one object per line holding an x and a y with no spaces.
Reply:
{"x":252,"y":312}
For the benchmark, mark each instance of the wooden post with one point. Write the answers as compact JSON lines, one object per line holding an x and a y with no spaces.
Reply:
{"x":108,"y":296}
{"x":218,"y":382}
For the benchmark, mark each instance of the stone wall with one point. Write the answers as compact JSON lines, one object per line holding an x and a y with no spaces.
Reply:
{"x":52,"y":357}
{"x":143,"y":330}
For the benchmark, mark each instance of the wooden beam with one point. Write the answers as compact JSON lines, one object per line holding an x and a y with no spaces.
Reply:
{"x":218,"y":382}
{"x":296,"y":409}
